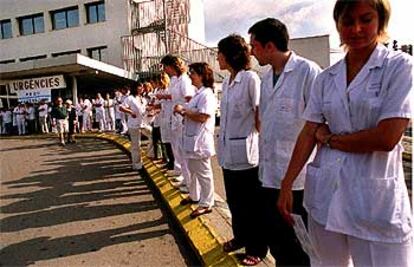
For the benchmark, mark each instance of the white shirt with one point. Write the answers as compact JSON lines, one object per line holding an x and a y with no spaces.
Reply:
{"x":166,"y":113}
{"x":7,"y":116}
{"x":238,"y":143}
{"x":157,"y":117}
{"x":87,"y":105}
{"x":198,"y":138}
{"x":361,"y":194}
{"x":135,"y":104}
{"x":281,"y":108}
{"x":180,"y":88}
{"x":43,"y":110}
{"x":31,"y":113}
{"x":100,"y":101}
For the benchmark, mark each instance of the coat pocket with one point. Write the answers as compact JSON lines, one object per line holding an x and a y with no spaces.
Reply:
{"x":189,"y":143}
{"x":238,"y":150}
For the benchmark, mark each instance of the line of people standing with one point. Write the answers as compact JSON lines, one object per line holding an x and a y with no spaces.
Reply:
{"x":344,"y":123}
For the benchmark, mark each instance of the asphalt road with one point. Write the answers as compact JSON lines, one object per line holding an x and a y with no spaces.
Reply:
{"x":80,"y":205}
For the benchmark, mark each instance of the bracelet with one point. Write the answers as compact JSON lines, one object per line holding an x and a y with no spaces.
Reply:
{"x":328,"y":140}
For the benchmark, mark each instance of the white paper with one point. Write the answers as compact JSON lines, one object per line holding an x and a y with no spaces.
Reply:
{"x":303,"y":237}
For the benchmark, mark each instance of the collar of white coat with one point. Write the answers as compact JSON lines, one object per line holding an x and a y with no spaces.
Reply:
{"x":376,"y":60}
{"x":201,"y":89}
{"x":290,"y":65}
{"x":238,"y":78}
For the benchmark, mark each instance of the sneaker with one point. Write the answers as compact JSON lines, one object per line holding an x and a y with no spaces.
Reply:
{"x":183,"y":189}
{"x":137,"y":167}
{"x":173,"y":173}
{"x":177,"y":179}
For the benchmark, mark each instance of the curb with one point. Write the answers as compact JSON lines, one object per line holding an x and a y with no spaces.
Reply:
{"x":204,"y":240}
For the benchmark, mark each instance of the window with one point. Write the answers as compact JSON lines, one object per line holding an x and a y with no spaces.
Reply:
{"x":32,"y":58}
{"x":31,"y":24}
{"x":5,"y":29}
{"x":95,"y":12}
{"x":98,"y":53}
{"x":65,"y":18}
{"x":7,"y":61}
{"x":58,"y":54}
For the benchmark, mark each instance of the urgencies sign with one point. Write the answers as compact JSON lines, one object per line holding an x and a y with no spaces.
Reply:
{"x":46,"y":83}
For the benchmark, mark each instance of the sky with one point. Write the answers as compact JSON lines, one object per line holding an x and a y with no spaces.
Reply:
{"x":302,"y":17}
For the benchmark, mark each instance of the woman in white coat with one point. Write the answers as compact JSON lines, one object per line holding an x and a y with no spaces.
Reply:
{"x":238,"y":147}
{"x":198,"y":138}
{"x":355,"y":193}
{"x":133,"y":105}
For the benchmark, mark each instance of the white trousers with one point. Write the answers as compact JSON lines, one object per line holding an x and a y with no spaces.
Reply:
{"x":86,"y":124}
{"x":43,"y":124}
{"x":135,"y":135}
{"x":201,"y":182}
{"x":336,"y":249}
{"x":110,"y":119}
{"x":100,"y":118}
{"x":180,"y":163}
{"x":21,"y":126}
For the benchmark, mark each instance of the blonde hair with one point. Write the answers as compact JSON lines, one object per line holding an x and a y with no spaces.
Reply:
{"x":382,"y":7}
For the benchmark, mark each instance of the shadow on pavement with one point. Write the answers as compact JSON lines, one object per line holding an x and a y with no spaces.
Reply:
{"x":70,"y":189}
{"x":43,"y":248}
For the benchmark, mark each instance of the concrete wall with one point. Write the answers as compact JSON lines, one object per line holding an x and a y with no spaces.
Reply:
{"x":84,"y":36}
{"x":315,"y":48}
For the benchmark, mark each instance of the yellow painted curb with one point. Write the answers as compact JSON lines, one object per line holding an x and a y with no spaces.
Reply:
{"x":202,"y":237}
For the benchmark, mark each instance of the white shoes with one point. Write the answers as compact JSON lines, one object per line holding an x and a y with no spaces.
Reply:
{"x":137,"y":167}
{"x":173,"y":173}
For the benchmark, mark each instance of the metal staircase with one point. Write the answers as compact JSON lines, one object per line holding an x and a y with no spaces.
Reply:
{"x":160,"y":27}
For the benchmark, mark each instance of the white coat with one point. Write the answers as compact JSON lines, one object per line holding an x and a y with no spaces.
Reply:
{"x":238,"y":144}
{"x":180,"y":88}
{"x":361,"y":194}
{"x":281,"y":109}
{"x":198,"y":138}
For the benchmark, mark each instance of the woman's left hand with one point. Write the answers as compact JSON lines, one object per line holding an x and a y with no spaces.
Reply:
{"x":322,"y":133}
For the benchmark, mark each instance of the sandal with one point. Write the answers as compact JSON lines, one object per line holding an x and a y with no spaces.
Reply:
{"x":200,"y":211}
{"x":187,"y":201}
{"x":251,"y":260}
{"x":232,"y":245}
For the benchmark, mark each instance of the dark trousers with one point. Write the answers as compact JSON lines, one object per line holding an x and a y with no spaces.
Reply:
{"x":31,"y":126}
{"x":280,"y":237}
{"x":156,"y":139}
{"x":242,"y":193}
{"x":170,"y":156}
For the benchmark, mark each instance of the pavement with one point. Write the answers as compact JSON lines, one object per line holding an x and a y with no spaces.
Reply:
{"x":206,"y":234}
{"x":81,"y":205}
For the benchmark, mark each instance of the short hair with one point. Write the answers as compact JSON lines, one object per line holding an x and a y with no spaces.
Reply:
{"x":382,"y":7}
{"x":175,"y":62}
{"x":271,"y":30}
{"x":205,"y":71}
{"x":236,"y":51}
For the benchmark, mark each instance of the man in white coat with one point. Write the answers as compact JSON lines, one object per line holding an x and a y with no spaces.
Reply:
{"x":181,"y":90}
{"x":100,"y":112}
{"x":284,"y":93}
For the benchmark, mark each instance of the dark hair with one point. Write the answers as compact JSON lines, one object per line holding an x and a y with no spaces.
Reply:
{"x":271,"y":30}
{"x":176,"y":63}
{"x":381,"y":6}
{"x":236,"y":51}
{"x":206,"y":73}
